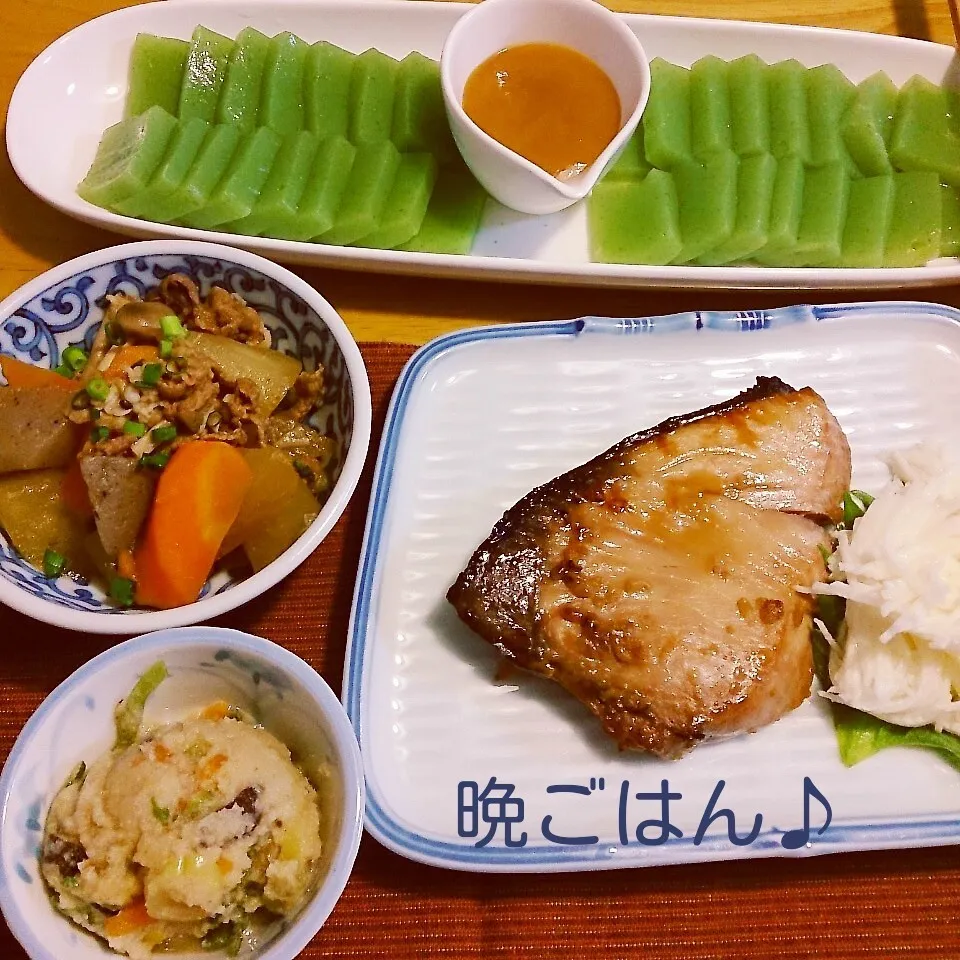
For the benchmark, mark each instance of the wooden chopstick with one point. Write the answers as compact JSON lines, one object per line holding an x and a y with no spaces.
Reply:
{"x":955,"y":17}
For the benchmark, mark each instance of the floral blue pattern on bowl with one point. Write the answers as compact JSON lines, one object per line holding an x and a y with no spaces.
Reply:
{"x":70,"y":312}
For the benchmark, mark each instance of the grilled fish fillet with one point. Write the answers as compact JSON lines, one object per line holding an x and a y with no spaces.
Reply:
{"x":658,"y":583}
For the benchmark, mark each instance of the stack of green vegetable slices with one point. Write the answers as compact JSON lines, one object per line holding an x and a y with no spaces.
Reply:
{"x":785,"y":166}
{"x":275,"y":137}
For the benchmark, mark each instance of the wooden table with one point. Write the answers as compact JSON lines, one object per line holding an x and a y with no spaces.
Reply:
{"x":844,"y":907}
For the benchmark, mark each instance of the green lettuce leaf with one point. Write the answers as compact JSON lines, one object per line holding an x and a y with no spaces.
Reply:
{"x":860,"y":736}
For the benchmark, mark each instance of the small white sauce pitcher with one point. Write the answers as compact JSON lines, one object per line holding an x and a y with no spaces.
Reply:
{"x":584,"y":25}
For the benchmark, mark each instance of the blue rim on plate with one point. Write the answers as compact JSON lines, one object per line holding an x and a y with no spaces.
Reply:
{"x":390,"y":830}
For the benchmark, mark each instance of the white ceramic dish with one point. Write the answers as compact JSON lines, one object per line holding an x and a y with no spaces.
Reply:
{"x":64,"y":306}
{"x":586,"y":26}
{"x":76,"y":723}
{"x":481,"y":417}
{"x":75,"y":89}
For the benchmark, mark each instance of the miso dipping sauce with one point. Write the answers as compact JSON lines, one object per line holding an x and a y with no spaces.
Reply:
{"x":547,"y":102}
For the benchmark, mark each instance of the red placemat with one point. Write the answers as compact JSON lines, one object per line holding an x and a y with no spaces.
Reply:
{"x":879,"y":905}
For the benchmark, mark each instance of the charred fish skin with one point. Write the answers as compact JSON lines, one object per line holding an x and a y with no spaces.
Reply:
{"x":586,"y":578}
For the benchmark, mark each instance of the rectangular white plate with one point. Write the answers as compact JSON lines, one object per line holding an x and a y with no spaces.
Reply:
{"x":481,"y":417}
{"x":75,"y":89}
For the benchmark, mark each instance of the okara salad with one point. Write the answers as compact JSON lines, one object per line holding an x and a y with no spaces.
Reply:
{"x":196,"y":835}
{"x":180,"y":438}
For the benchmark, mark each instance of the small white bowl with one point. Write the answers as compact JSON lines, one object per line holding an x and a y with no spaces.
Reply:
{"x":76,"y":723}
{"x":584,"y":25}
{"x":65,"y":305}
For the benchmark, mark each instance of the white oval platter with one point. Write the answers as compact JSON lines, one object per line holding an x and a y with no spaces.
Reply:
{"x":75,"y":89}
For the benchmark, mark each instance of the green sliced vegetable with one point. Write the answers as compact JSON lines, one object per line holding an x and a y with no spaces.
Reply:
{"x":98,"y":388}
{"x":855,"y":503}
{"x":163,"y":434}
{"x":162,"y":814}
{"x":152,"y":372}
{"x":134,"y":428}
{"x":122,"y":589}
{"x":53,"y":564}
{"x":78,"y":775}
{"x":196,"y":804}
{"x":171,"y":327}
{"x":228,"y":937}
{"x":75,"y":358}
{"x":155,"y":460}
{"x":129,"y":713}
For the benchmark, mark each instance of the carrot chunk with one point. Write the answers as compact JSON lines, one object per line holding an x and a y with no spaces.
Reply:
{"x":210,"y":766}
{"x":129,"y":920}
{"x":215,"y":711}
{"x":197,"y":500}
{"x":129,"y":355}
{"x":20,"y":374}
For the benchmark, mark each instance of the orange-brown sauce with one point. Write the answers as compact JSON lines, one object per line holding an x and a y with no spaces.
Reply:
{"x":547,"y":102}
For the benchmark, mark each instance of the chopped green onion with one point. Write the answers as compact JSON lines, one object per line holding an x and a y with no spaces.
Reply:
{"x":156,"y":460}
{"x":855,"y":504}
{"x":78,"y":775}
{"x":198,"y":748}
{"x":64,"y":371}
{"x":75,"y":358}
{"x":164,"y":434}
{"x":227,"y":937}
{"x":99,"y":433}
{"x":171,"y":328}
{"x":53,"y":564}
{"x":70,"y":882}
{"x":160,"y":813}
{"x":134,"y":428}
{"x":121,"y":590}
{"x":196,"y":804}
{"x":166,"y":349}
{"x":152,"y":372}
{"x":129,"y":713}
{"x":303,"y":469}
{"x":98,"y":388}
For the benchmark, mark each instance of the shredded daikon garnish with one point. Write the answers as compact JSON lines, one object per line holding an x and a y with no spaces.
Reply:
{"x":899,"y":571}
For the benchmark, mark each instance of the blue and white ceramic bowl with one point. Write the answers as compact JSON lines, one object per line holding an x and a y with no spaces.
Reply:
{"x":65,"y":306}
{"x":205,"y":663}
